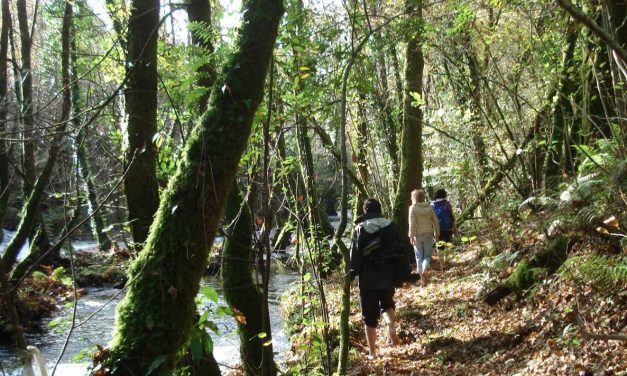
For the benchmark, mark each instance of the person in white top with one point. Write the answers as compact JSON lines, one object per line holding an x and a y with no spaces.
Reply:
{"x":424,"y":231}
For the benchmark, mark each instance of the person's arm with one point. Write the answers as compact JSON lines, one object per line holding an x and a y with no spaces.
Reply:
{"x":355,"y":262}
{"x":410,"y":223}
{"x":436,"y":225}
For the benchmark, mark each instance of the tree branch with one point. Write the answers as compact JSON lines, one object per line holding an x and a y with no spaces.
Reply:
{"x":596,"y":29}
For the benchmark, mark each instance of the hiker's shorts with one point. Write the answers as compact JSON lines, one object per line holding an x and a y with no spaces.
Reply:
{"x":373,"y":303}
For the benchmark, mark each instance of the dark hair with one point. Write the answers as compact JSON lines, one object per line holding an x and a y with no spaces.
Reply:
{"x":372,"y":205}
{"x":440,"y":193}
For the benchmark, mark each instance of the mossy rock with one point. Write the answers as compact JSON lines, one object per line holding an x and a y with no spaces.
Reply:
{"x":101,"y":275}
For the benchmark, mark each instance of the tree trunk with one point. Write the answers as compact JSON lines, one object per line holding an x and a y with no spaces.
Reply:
{"x":8,"y":293}
{"x":31,"y":212}
{"x":384,"y":102}
{"x":361,"y":160}
{"x":410,"y":177}
{"x":199,"y":12}
{"x":397,"y":75}
{"x":4,"y":83}
{"x":558,"y":152}
{"x":26,"y":73}
{"x":168,"y":270}
{"x":98,"y":222}
{"x":140,"y":182}
{"x":474,"y":105}
{"x":240,"y":290}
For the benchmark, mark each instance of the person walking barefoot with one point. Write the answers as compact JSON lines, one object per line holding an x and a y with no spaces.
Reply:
{"x":372,"y":237}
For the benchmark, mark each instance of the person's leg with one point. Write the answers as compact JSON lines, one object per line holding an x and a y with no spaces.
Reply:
{"x":446,"y":235}
{"x":371,"y":338}
{"x":369,"y":301}
{"x":426,"y":262}
{"x":419,"y":253}
{"x":418,"y":256}
{"x":390,"y":320}
{"x":388,"y":312}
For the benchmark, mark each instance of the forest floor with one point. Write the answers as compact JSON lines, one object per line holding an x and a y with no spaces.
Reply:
{"x":447,"y":330}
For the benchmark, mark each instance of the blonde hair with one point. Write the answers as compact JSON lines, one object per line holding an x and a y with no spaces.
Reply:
{"x":417,"y":196}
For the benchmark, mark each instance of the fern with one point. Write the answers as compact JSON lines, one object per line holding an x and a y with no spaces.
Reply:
{"x":604,"y":272}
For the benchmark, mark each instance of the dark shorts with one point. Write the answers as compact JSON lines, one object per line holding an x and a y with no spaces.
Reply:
{"x":373,"y":303}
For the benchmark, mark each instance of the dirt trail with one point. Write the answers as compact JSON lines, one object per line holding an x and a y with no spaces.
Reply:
{"x":447,"y":331}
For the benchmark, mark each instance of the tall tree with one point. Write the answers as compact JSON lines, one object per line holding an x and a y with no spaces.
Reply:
{"x":4,"y":84}
{"x":168,"y":270}
{"x":28,"y":149}
{"x":411,"y":137}
{"x":140,"y":182}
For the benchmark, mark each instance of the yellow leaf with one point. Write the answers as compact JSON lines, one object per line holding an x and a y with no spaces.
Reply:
{"x":611,"y":221}
{"x":603,"y":231}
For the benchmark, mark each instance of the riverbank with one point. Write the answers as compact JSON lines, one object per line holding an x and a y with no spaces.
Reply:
{"x":95,"y":313}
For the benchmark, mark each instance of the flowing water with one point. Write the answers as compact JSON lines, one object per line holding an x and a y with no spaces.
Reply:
{"x":95,"y":321}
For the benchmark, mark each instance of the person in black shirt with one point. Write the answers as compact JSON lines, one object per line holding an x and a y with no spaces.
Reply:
{"x":372,"y":238}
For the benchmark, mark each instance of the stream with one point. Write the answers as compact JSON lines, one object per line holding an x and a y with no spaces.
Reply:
{"x":98,"y":329}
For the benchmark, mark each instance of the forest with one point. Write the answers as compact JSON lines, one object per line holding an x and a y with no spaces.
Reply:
{"x":183,"y":186}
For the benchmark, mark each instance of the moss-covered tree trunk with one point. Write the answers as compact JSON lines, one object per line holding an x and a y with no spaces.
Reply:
{"x":241,"y":291}
{"x":562,"y":113}
{"x":474,"y":105}
{"x":167,"y":273}
{"x":548,"y":259}
{"x":361,"y":160}
{"x":410,"y":177}
{"x":140,"y":182}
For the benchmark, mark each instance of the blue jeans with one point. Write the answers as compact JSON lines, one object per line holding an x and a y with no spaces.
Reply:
{"x":423,"y":249}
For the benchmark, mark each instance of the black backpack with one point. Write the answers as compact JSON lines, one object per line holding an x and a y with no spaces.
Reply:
{"x":381,"y":249}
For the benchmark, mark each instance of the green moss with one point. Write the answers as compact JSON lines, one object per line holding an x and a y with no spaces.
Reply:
{"x":154,"y":321}
{"x":522,"y":278}
{"x":553,"y":255}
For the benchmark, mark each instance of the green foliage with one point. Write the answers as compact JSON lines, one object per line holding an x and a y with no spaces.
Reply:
{"x":602,"y":154}
{"x":85,"y":354}
{"x":463,"y":18}
{"x":608,"y":273}
{"x":502,"y":261}
{"x":60,"y":274}
{"x":60,"y":324}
